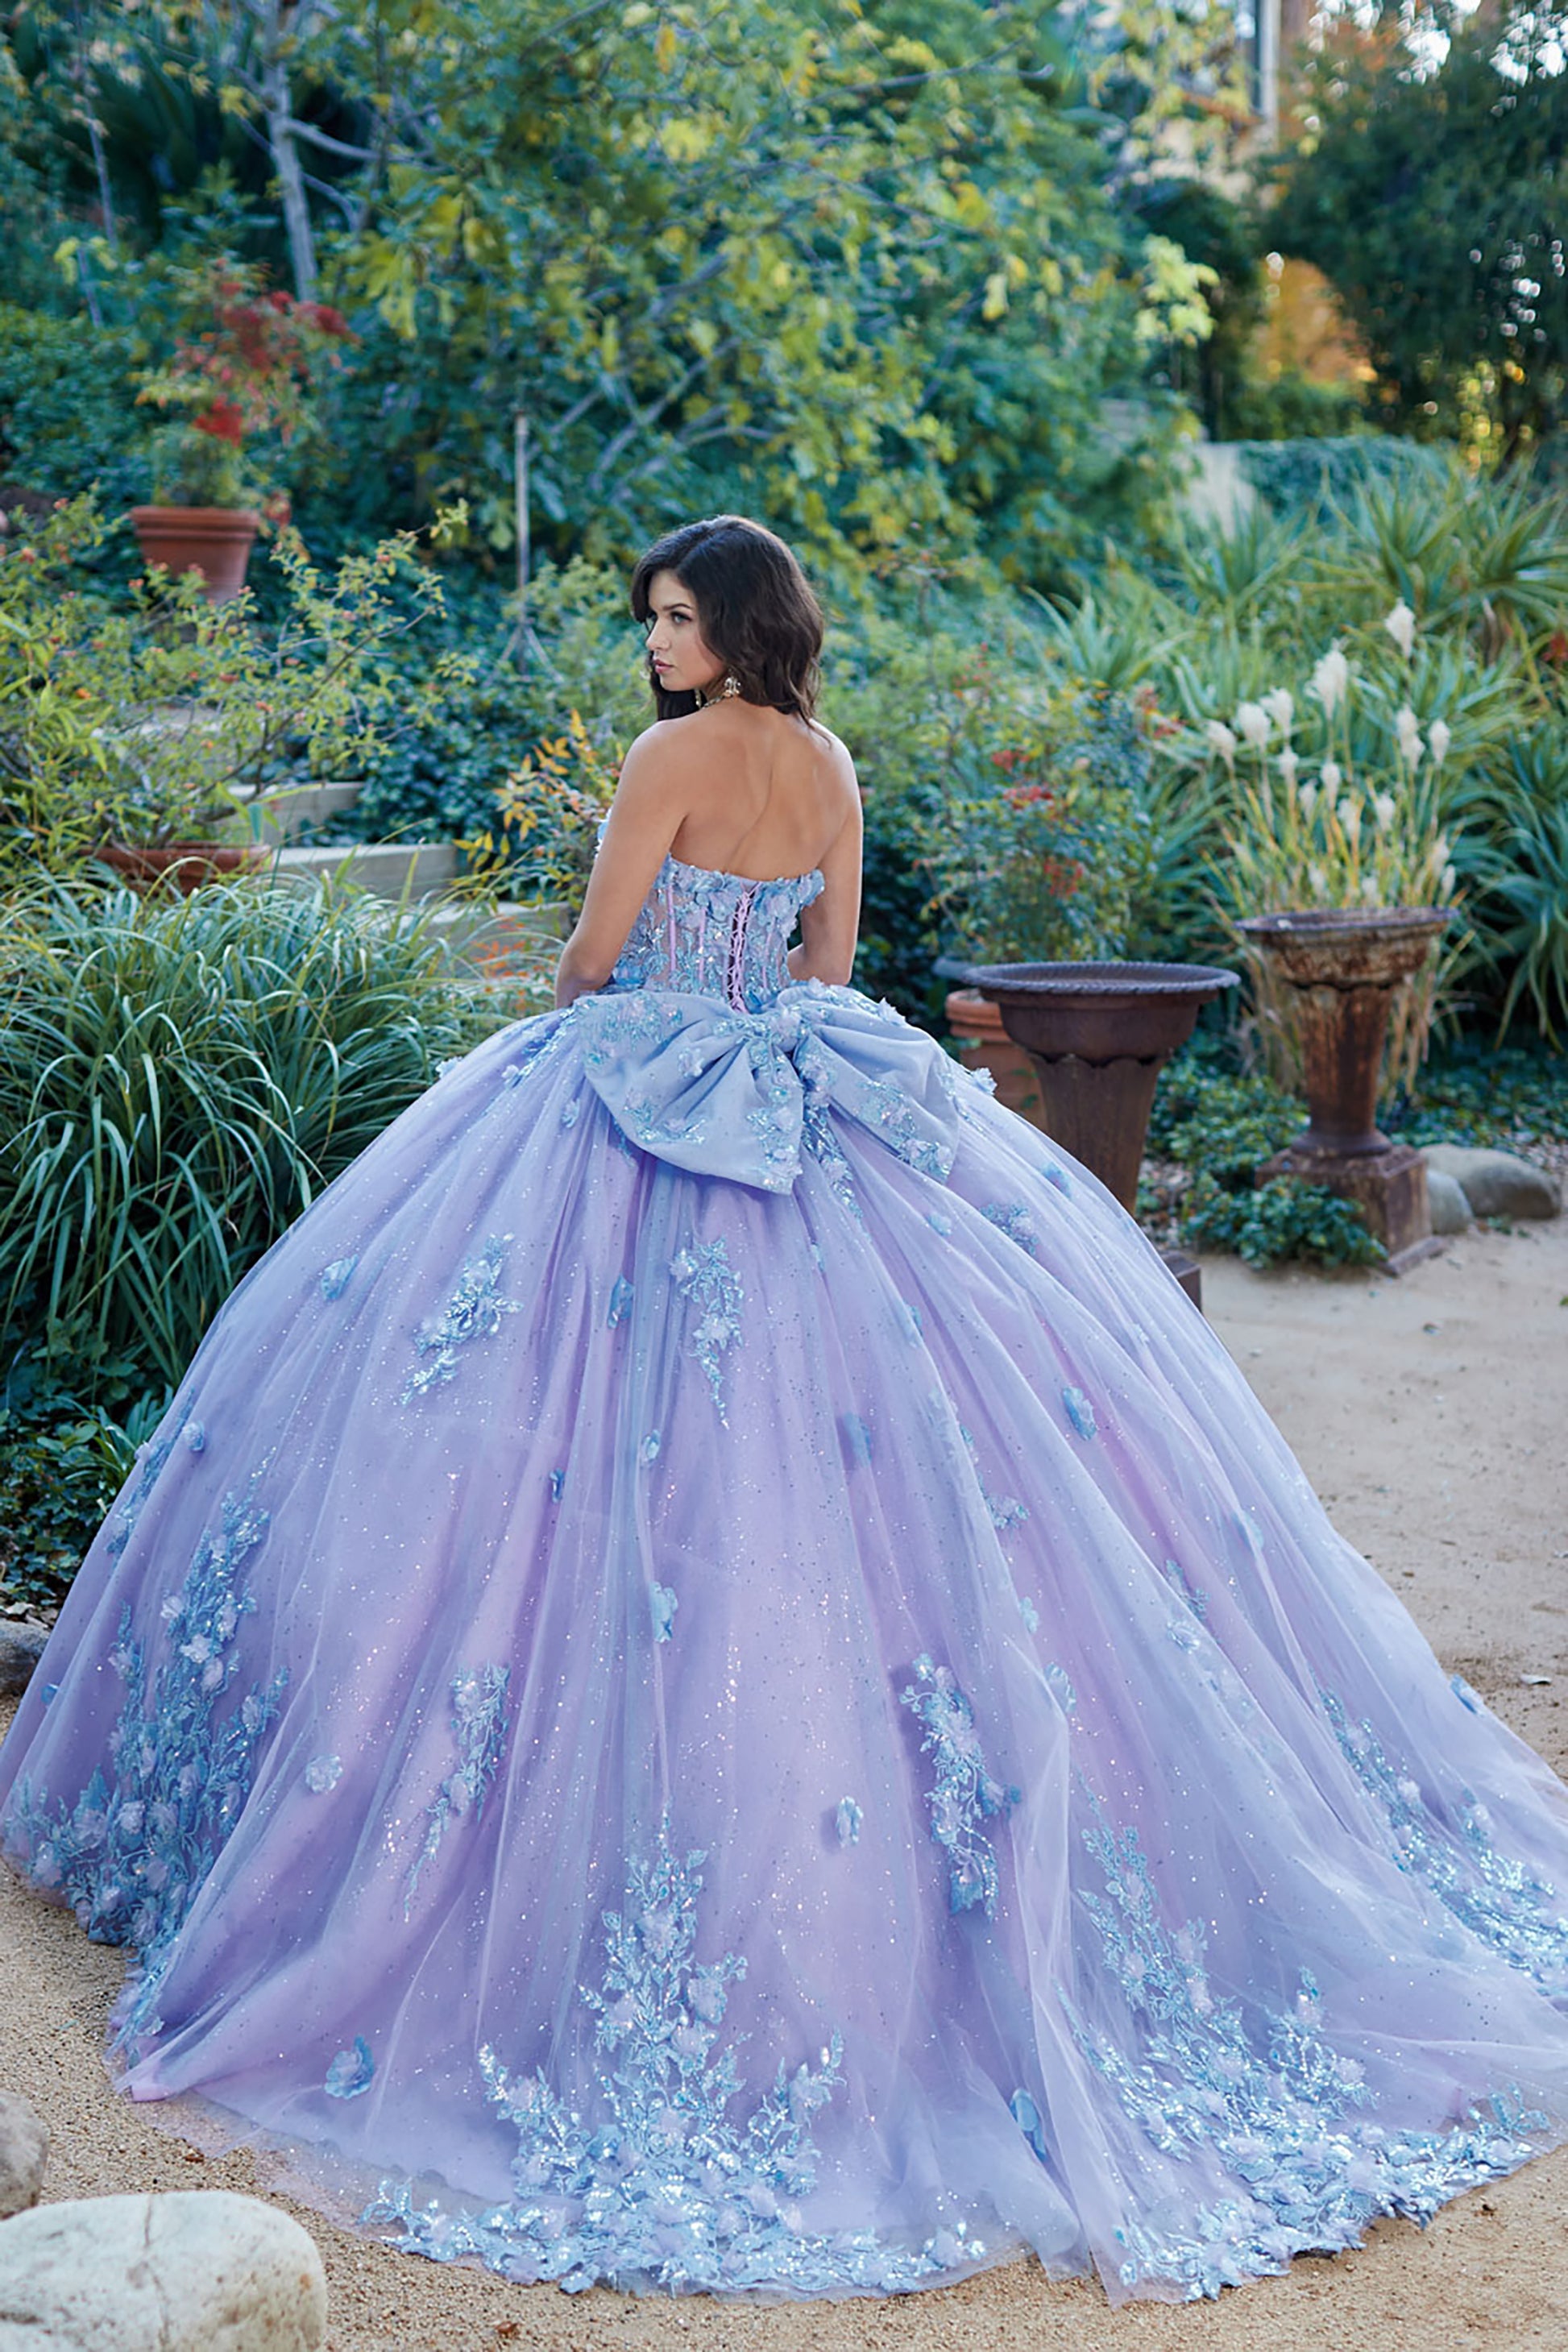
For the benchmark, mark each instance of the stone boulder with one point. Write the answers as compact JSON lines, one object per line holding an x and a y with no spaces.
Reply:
{"x":1446,"y":1195}
{"x":1494,"y":1183}
{"x":193,"y":2271}
{"x":21,"y":1647}
{"x":23,"y":2152}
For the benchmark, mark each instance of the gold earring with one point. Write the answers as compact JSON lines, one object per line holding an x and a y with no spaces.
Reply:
{"x":727,"y":692}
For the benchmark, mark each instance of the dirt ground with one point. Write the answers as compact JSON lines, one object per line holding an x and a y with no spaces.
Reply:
{"x":1433,"y":1414}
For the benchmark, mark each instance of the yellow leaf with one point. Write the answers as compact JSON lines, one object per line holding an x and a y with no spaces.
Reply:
{"x":665,"y":48}
{"x":995,"y":301}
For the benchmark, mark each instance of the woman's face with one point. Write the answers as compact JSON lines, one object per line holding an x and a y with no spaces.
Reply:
{"x":680,"y":656}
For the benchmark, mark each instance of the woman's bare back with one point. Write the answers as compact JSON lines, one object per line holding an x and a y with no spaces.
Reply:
{"x":767,"y":795}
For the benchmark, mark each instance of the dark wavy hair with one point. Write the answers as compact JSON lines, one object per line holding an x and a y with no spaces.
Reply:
{"x":753,"y":606}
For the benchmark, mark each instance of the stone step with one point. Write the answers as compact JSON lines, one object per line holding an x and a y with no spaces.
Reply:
{"x":390,"y":868}
{"x":279,"y":814}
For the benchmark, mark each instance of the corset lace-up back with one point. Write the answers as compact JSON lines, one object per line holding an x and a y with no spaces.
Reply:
{"x":709,"y":933}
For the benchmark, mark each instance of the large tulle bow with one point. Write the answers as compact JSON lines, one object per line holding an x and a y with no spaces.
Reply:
{"x":738,"y":1094}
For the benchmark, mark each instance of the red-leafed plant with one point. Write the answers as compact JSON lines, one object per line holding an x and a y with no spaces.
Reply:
{"x":246,"y":368}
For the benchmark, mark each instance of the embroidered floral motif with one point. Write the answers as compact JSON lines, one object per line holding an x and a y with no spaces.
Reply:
{"x":151,"y":1456}
{"x":938,"y":1223}
{"x":1059,"y":1683}
{"x":474,"y":1311}
{"x":323,"y":1772}
{"x":195,"y":1437}
{"x":647,"y":2182}
{"x":1175,"y":1576}
{"x":620,"y":1306}
{"x":480,"y":1720}
{"x":131,"y":1852}
{"x":557,"y":1485}
{"x":857,"y":1437}
{"x":846,"y":1820}
{"x":1028,"y":1613}
{"x":1521,"y":1917}
{"x":1004,"y":1512}
{"x":702,"y":1275}
{"x":1080,"y":1413}
{"x":1271,"y":2103}
{"x":649,"y":1449}
{"x":351,"y":2072}
{"x":663,"y":1603}
{"x":1013,"y":1219}
{"x":335,"y":1277}
{"x":965,"y":1793}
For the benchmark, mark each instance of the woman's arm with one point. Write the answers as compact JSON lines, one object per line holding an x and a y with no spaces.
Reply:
{"x":830,"y":925}
{"x":645,"y":817}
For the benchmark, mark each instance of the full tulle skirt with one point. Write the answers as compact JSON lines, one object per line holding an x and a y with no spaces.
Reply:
{"x":790,"y":1732}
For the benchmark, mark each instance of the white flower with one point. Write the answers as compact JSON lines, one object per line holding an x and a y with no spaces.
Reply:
{"x":1387,"y":809}
{"x":1401,"y":625}
{"x":1289,"y":764}
{"x":1221,"y":740}
{"x":1330,"y":680}
{"x":1318,"y":879}
{"x":1307,"y":794}
{"x":1438,"y":739}
{"x":1252,"y":723}
{"x":1349,"y":814}
{"x":1409,"y":730}
{"x":1332,"y":775}
{"x":1446,"y":881}
{"x":1280,"y":708}
{"x":1369,"y":890}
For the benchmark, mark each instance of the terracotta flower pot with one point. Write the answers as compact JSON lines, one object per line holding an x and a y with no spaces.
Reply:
{"x":983,"y":1044}
{"x":182,"y":866}
{"x":1338,"y":968}
{"x":213,"y":540}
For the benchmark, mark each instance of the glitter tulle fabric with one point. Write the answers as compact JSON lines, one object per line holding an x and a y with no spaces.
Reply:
{"x":712,"y":1682}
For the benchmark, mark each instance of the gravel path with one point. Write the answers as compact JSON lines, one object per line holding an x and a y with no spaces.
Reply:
{"x":1433,"y":1414}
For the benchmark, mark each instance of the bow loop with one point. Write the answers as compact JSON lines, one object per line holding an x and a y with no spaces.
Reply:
{"x":724,"y":1092}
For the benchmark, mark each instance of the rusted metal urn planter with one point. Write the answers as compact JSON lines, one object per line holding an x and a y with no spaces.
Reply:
{"x":1338,"y":968}
{"x":1098,"y":1034}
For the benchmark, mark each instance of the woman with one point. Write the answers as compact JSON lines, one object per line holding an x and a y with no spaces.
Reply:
{"x":714,"y":1681}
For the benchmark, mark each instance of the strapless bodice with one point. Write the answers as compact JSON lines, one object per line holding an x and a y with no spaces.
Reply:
{"x":708,"y":933}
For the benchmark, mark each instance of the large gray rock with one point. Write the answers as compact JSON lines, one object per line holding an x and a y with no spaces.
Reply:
{"x":23,"y":2152}
{"x":21,"y":1647}
{"x":1496,"y":1183}
{"x":1451,"y":1209}
{"x":195,"y":2270}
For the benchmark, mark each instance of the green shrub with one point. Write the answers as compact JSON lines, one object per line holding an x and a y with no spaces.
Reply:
{"x":1268,"y":1224}
{"x":1324,"y":469}
{"x":1221,"y":1126}
{"x":68,"y":417}
{"x":179,"y":1082}
{"x":62,"y":1461}
{"x":1004,"y":816}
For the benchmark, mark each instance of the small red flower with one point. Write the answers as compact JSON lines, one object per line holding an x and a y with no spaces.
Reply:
{"x":224,"y":421}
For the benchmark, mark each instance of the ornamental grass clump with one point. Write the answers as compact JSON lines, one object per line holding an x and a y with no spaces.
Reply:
{"x":1336,"y":800}
{"x":181,"y":1078}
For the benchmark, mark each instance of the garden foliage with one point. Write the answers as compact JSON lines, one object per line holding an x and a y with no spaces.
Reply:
{"x":181,"y":1079}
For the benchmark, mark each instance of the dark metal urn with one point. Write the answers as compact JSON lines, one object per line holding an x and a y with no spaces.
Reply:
{"x":1336,"y":970}
{"x":1098,"y":1034}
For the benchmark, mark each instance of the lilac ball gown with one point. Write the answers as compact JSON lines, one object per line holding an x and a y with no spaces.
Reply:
{"x":712,"y":1682}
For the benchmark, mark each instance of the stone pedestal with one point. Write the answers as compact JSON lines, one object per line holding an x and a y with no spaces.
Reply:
{"x":1388,"y":1188}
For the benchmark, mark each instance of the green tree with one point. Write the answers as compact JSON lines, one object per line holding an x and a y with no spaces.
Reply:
{"x":1433,"y":196}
